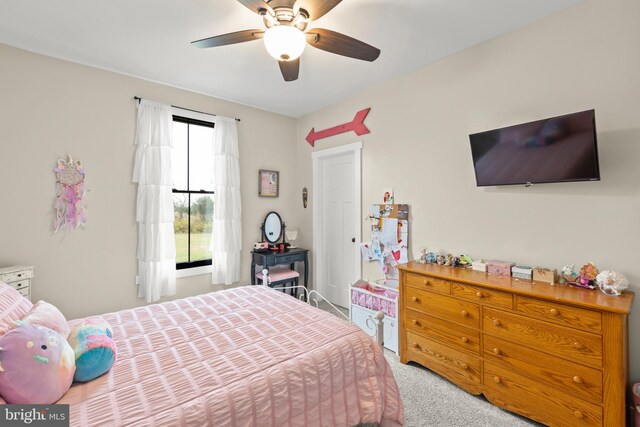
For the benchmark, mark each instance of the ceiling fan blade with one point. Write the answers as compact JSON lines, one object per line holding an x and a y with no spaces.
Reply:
{"x":290,"y":69}
{"x":317,"y":8}
{"x":340,"y":44}
{"x":230,"y":38}
{"x":256,"y":5}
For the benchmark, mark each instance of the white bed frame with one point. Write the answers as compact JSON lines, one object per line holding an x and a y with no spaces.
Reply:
{"x":312,"y":297}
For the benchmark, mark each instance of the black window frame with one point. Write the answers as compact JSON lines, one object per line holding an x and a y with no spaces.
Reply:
{"x":204,"y":262}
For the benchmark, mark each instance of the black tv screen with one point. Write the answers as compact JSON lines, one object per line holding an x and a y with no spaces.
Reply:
{"x":557,"y":149}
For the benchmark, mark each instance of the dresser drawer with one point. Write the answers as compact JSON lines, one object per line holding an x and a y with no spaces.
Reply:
{"x":577,"y":380}
{"x":580,"y":318}
{"x":532,"y":399}
{"x":429,"y":283}
{"x":442,"y":359}
{"x":454,"y":335}
{"x":464,"y":313}
{"x":580,"y":347}
{"x":14,"y":276}
{"x":24,"y":291}
{"x":482,"y":296}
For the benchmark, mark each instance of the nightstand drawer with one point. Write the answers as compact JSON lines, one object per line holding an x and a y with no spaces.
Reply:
{"x":24,"y":292}
{"x":20,"y":284}
{"x":16,"y":275}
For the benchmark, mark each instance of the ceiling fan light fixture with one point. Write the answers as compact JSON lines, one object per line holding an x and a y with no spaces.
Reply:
{"x":284,"y":43}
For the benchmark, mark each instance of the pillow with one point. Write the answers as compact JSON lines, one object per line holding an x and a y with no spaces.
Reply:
{"x":36,"y":365}
{"x":47,"y":315}
{"x":95,"y":351}
{"x":13,"y":306}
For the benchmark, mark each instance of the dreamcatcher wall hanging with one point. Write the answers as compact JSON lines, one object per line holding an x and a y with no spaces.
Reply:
{"x":70,"y":211}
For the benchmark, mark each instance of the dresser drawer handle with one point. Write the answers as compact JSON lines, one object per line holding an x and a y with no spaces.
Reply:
{"x":578,"y":414}
{"x":416,"y":345}
{"x":464,"y":366}
{"x":497,"y":380}
{"x":426,"y":282}
{"x":577,"y":379}
{"x":578,"y":345}
{"x":465,"y":340}
{"x":554,"y":312}
{"x":497,"y":322}
{"x":414,"y":299}
{"x":20,"y":275}
{"x":479,"y":295}
{"x":19,"y":285}
{"x":464,"y":313}
{"x":415,"y":322}
{"x":496,"y":351}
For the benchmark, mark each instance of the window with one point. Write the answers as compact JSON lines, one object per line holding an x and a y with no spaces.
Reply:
{"x":192,"y":165}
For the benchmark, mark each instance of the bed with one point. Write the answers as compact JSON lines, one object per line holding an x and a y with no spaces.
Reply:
{"x":249,"y":356}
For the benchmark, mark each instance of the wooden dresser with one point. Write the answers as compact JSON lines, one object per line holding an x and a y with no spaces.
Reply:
{"x":555,"y":354}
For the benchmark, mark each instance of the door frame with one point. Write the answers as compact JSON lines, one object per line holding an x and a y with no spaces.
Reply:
{"x":318,"y":158}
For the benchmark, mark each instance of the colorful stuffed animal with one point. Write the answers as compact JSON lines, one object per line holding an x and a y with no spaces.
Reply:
{"x":36,"y":365}
{"x":95,"y":351}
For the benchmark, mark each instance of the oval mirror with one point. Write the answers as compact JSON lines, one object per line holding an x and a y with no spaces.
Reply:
{"x":272,"y":227}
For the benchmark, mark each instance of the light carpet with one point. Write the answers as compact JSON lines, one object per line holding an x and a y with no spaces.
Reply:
{"x":430,"y":400}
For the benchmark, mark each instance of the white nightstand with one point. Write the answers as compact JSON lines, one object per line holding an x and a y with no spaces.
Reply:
{"x":18,"y":276}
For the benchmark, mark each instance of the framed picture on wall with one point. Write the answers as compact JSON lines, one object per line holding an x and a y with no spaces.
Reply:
{"x":268,"y":183}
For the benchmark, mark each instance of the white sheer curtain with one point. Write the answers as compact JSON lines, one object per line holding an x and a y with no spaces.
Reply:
{"x":226,"y":238}
{"x":152,"y":172}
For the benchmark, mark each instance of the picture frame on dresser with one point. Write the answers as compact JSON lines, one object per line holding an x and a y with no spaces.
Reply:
{"x":555,"y":354}
{"x":19,"y":277}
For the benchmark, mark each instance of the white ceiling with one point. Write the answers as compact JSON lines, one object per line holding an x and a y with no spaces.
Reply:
{"x":151,"y":39}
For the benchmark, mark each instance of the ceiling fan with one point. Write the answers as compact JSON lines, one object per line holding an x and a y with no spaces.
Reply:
{"x":285,"y":36}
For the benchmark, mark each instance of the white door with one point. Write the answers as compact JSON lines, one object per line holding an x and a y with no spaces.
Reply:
{"x":338,"y":230}
{"x":337,"y":221}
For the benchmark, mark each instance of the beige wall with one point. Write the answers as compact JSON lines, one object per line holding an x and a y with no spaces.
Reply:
{"x":49,"y":108}
{"x":584,"y":57}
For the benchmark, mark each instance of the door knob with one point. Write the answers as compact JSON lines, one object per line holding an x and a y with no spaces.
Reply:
{"x":353,"y":240}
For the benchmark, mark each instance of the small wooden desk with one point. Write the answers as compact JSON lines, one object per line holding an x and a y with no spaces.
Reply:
{"x":270,"y":258}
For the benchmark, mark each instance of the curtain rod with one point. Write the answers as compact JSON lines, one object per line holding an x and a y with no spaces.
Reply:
{"x":137,"y":98}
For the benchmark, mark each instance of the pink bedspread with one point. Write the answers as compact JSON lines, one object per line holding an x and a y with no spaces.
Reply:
{"x":249,"y":356}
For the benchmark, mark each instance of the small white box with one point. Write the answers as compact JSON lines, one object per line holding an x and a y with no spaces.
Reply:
{"x":522,"y":272}
{"x":479,"y":266}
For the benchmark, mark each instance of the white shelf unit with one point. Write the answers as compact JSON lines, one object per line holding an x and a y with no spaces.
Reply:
{"x":365,"y":303}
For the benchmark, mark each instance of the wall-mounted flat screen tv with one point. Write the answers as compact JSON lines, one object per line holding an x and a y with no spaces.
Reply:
{"x":558,"y":149}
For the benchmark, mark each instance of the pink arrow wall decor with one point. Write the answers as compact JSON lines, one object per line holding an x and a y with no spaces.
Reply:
{"x":357,"y":125}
